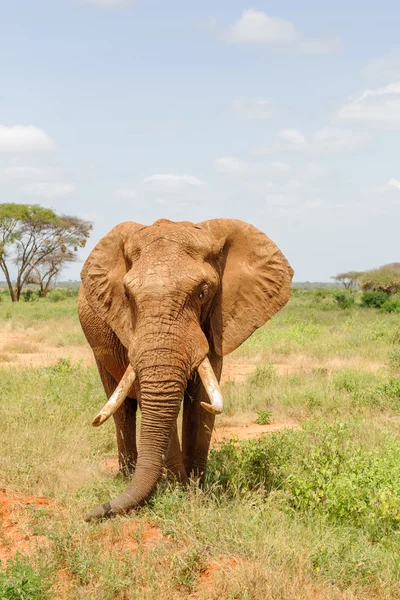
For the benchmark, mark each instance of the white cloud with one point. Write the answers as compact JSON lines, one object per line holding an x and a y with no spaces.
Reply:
{"x":292,"y":137}
{"x":30,"y":173}
{"x":24,"y":138}
{"x":109,"y":4}
{"x":384,"y":68}
{"x":256,"y":27}
{"x":379,"y":107}
{"x":48,"y":189}
{"x":393,"y":184}
{"x":167,"y":182}
{"x":125,"y":193}
{"x":230,"y":164}
{"x":255,"y":108}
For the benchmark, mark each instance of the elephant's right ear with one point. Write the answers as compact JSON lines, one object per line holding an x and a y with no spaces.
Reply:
{"x":103,"y":276}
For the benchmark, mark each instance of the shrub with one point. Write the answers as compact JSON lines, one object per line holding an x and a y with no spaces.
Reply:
{"x":56,"y":295}
{"x":262,"y":376}
{"x":263,"y":417}
{"x":344,"y":300}
{"x":385,"y":279}
{"x":30,"y":295}
{"x":325,"y":469}
{"x":391,"y":306}
{"x":21,"y":581}
{"x":374,"y":299}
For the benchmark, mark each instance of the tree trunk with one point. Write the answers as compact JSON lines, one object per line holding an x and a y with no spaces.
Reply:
{"x":3,"y":267}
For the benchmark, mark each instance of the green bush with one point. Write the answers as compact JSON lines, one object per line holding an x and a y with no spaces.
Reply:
{"x":21,"y":581}
{"x":30,"y":295}
{"x":344,"y":300}
{"x":374,"y":299}
{"x":264,"y":417}
{"x":262,"y":376}
{"x":391,"y":306}
{"x":325,"y":469}
{"x":57,"y":295}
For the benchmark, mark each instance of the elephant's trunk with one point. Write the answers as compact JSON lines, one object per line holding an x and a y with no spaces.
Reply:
{"x":161,"y":392}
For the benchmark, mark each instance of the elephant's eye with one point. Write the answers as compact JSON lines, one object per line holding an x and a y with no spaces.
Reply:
{"x":126,"y":294}
{"x":203,"y":291}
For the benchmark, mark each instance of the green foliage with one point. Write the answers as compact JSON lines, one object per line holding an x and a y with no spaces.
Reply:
{"x":262,"y":376}
{"x":325,"y":468}
{"x":264,"y":417}
{"x":30,"y":295}
{"x":187,"y":566}
{"x":374,"y":299}
{"x":385,"y":279}
{"x":57,"y":295}
{"x":344,"y":300}
{"x":391,"y":306}
{"x":21,"y":581}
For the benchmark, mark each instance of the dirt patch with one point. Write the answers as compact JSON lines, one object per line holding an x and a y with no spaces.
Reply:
{"x":237,"y":371}
{"x":205,"y":581}
{"x":14,"y":536}
{"x":22,"y":349}
{"x":250,"y":431}
{"x":136,"y":535}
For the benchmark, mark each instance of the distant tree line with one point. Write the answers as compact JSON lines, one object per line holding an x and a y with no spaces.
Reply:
{"x":36,"y":244}
{"x":384,"y":279}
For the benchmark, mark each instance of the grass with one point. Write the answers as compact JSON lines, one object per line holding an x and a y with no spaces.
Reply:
{"x":299,"y":514}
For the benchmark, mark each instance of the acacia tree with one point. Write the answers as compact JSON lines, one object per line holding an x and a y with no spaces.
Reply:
{"x":349,"y":279}
{"x":31,"y":234}
{"x":385,"y":279}
{"x":47,"y":270}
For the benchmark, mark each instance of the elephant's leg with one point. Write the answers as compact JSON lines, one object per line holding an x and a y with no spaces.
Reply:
{"x":125,"y":424}
{"x":198,"y":425}
{"x":174,"y":462}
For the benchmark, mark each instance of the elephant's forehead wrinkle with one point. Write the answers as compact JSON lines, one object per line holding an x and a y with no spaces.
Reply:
{"x":167,"y":236}
{"x":173,"y":272}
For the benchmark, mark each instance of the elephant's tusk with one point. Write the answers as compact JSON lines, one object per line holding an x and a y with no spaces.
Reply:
{"x":117,"y":398}
{"x":211,"y":385}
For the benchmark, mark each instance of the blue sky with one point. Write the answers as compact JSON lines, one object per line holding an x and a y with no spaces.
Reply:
{"x":284,"y":115}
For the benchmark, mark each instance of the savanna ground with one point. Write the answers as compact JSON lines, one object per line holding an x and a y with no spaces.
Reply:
{"x":310,"y":509}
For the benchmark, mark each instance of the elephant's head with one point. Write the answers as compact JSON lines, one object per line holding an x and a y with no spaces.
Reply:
{"x":173,"y":293}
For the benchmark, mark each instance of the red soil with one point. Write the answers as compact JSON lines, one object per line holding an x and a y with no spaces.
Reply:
{"x":13,"y":536}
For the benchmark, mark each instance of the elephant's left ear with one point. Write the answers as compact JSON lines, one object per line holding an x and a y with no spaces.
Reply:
{"x":103,"y":278}
{"x":255,"y":282}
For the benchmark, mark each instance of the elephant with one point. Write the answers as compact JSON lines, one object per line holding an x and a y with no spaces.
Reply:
{"x":160,"y":306}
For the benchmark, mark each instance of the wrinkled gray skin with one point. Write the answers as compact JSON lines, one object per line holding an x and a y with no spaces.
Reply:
{"x":162,"y":298}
